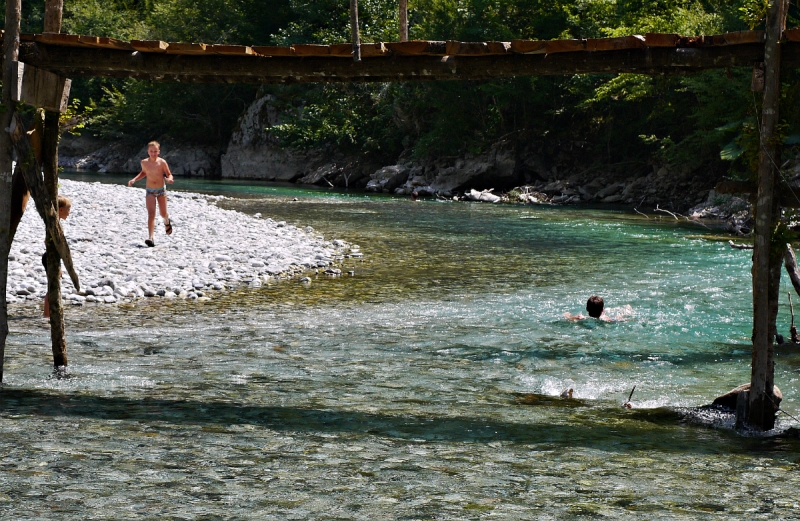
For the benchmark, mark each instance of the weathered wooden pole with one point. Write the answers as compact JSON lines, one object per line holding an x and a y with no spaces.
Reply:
{"x":52,"y":15}
{"x":10,"y":52}
{"x":31,"y":169}
{"x":761,"y":409}
{"x":52,"y":24}
{"x":403,"y":19}
{"x":354,"y":30}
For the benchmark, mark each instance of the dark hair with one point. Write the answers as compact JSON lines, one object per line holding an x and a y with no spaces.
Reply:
{"x":594,"y":306}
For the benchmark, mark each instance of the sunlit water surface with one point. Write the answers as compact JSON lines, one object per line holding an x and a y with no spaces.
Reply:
{"x":425,"y":386}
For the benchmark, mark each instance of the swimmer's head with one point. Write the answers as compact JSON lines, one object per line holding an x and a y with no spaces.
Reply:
{"x":594,"y":306}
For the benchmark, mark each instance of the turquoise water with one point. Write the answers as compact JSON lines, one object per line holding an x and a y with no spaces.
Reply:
{"x":425,"y":386}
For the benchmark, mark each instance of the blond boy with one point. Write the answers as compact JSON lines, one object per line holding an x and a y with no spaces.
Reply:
{"x":157,"y":171}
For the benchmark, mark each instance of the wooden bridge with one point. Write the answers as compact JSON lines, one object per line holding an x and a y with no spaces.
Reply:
{"x":76,"y":56}
{"x":36,"y":68}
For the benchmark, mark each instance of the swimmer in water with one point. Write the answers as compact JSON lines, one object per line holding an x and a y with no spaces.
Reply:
{"x":595,"y":307}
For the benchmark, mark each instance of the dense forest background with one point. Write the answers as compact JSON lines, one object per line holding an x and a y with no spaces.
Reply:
{"x":690,"y":120}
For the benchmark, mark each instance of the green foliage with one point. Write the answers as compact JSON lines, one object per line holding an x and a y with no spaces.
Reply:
{"x":75,"y":117}
{"x":754,"y":12}
{"x":695,"y":120}
{"x":356,"y":117}
{"x":196,"y":113}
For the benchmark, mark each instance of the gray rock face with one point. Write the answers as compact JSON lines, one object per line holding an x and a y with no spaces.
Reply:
{"x":90,"y":153}
{"x":251,"y":154}
{"x":182,"y":161}
{"x":387,"y":179}
{"x":496,"y":169}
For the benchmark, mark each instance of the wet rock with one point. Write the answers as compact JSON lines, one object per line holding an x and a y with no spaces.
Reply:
{"x":609,"y":190}
{"x":728,"y":400}
{"x":387,"y":179}
{"x":485,"y":196}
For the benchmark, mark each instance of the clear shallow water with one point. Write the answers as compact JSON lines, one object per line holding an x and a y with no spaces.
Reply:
{"x":424,"y":387}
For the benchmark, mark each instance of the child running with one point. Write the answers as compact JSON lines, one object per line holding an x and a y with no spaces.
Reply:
{"x":156,"y":170}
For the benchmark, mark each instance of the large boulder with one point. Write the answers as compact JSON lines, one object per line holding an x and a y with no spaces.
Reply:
{"x":496,"y":169}
{"x":252,"y":154}
{"x":387,"y":179}
{"x":728,"y":400}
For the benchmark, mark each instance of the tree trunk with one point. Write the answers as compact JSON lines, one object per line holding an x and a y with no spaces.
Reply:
{"x":10,"y":51}
{"x":761,"y":413}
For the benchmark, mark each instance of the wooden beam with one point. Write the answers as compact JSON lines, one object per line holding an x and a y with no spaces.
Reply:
{"x":229,"y":50}
{"x":186,"y":48}
{"x":453,"y":48}
{"x":418,"y":47}
{"x":661,"y":40}
{"x":105,"y":43}
{"x":556,"y":46}
{"x":79,"y":61}
{"x":528,"y":46}
{"x":273,"y":50}
{"x":40,"y":88}
{"x":310,"y":49}
{"x":615,"y":44}
{"x":155,"y":46}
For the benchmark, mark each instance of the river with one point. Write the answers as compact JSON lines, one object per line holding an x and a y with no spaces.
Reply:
{"x":424,"y":386}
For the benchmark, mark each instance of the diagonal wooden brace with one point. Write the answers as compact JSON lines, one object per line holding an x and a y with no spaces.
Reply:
{"x":33,"y":178}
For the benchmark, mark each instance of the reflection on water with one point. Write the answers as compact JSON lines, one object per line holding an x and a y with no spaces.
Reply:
{"x":425,"y":386}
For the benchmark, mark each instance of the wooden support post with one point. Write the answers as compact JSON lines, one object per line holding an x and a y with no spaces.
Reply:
{"x":354,"y":30}
{"x":52,"y":15}
{"x":10,"y":51}
{"x":33,"y":178}
{"x":741,"y":409}
{"x":403,"y":18}
{"x":761,"y":412}
{"x":53,"y":268}
{"x":19,"y":189}
{"x":49,"y":161}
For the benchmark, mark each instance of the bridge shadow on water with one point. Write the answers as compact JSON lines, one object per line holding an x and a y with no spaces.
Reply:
{"x":584,"y":425}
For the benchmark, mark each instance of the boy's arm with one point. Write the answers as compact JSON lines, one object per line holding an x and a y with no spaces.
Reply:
{"x":139,"y":176}
{"x":167,"y":173}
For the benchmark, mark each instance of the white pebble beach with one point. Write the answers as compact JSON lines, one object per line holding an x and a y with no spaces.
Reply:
{"x":210,"y":249}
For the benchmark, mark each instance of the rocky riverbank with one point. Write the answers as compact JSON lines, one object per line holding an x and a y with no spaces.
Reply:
{"x":211,"y":248}
{"x":517,"y":167}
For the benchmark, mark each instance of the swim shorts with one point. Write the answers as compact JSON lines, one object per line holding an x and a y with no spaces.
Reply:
{"x":156,"y":192}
